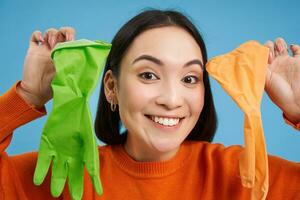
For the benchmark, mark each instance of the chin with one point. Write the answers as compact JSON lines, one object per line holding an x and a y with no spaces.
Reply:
{"x":165,"y":145}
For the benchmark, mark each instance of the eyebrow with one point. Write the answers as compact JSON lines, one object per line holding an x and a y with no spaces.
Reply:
{"x":159,"y":62}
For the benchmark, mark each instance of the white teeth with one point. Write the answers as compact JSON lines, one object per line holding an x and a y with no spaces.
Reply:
{"x":165,"y":121}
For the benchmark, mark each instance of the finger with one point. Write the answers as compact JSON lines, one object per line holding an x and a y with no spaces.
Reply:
{"x":281,"y":46}
{"x":295,"y":50}
{"x":41,"y":169}
{"x":92,"y":166}
{"x":91,"y":153}
{"x":97,"y":184}
{"x":270,"y":45}
{"x":60,"y":37}
{"x":36,"y":37}
{"x":68,"y":32}
{"x":50,"y":37}
{"x":58,"y":176}
{"x":91,"y":156}
{"x":43,"y":163}
{"x":75,"y":179}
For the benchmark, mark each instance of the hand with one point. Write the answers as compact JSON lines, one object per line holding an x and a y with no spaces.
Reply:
{"x":283,"y":78}
{"x":39,"y":71}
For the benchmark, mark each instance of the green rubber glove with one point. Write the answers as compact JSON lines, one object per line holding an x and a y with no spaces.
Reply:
{"x":68,"y":138}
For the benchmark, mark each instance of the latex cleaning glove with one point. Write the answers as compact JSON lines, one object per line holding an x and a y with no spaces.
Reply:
{"x":241,"y":73}
{"x":68,"y":139}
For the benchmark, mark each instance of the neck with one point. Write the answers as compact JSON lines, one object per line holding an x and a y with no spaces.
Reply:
{"x":143,"y":153}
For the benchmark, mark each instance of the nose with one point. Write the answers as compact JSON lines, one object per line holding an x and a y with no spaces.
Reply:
{"x":170,"y":96}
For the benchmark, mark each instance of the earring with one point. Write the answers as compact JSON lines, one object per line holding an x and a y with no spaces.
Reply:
{"x":113,"y":106}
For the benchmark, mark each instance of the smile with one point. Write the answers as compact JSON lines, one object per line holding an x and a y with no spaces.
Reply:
{"x":165,"y":122}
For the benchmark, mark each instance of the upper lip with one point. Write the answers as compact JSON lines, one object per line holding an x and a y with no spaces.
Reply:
{"x":166,"y":116}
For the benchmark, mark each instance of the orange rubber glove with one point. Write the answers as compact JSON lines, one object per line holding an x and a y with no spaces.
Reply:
{"x":241,"y":74}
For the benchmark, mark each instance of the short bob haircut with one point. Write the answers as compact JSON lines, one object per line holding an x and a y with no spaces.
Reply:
{"x":108,"y":123}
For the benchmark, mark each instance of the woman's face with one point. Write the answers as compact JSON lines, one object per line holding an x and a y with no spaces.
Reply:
{"x":161,"y":92}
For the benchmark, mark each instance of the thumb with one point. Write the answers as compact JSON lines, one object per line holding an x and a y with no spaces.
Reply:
{"x":36,"y":37}
{"x":97,"y":184}
{"x":268,"y":78}
{"x":296,"y":50}
{"x":271,"y":47}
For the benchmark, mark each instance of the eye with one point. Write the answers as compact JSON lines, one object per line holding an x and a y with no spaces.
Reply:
{"x":148,"y":76}
{"x":191,"y":79}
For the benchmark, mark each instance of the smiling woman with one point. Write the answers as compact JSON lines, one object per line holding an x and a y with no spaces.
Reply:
{"x":166,"y":95}
{"x":156,"y":58}
{"x":156,"y":84}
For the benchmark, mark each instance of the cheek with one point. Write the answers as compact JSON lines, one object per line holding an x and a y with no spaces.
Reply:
{"x":196,"y":102}
{"x":133,"y":99}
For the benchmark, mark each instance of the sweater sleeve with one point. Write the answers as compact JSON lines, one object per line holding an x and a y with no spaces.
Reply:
{"x":16,"y":171}
{"x":14,"y":112}
{"x":284,"y":178}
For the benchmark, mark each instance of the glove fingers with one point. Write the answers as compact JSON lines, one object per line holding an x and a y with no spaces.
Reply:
{"x":59,"y":176}
{"x":91,"y":154}
{"x":91,"y":159}
{"x":92,"y":166}
{"x":75,"y":179}
{"x":41,"y":168}
{"x":97,"y":184}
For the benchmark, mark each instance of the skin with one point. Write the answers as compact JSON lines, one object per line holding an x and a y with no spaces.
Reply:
{"x":169,"y":90}
{"x":39,"y":70}
{"x":283,"y":78}
{"x":166,"y":93}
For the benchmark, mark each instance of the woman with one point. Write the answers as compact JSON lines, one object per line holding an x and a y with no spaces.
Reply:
{"x":155,"y":82}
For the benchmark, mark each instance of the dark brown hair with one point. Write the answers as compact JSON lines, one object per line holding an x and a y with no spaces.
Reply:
{"x":108,"y":123}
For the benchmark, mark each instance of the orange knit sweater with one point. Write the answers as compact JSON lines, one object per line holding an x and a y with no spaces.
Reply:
{"x":199,"y":170}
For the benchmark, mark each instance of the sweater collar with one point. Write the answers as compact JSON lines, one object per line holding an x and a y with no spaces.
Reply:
{"x":151,"y":169}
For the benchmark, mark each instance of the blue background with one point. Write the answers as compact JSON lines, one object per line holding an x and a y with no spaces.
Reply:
{"x":224,"y":25}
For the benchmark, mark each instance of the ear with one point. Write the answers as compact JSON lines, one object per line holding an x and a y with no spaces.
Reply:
{"x":110,"y":86}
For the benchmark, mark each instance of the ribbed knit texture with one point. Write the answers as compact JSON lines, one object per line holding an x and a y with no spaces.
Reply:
{"x":151,"y":169}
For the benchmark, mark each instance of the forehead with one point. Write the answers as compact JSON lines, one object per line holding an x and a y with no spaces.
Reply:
{"x":169,"y":43}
